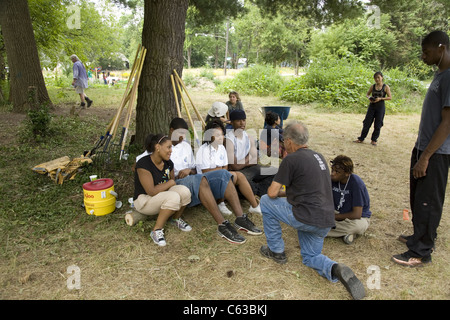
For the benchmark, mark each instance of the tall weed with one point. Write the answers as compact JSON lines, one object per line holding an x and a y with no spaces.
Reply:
{"x":341,"y":85}
{"x":258,"y":80}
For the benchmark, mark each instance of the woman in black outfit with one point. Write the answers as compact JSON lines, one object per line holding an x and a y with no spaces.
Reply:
{"x":377,"y":94}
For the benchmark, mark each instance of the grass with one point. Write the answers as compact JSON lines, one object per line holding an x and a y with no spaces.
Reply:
{"x":45,"y":230}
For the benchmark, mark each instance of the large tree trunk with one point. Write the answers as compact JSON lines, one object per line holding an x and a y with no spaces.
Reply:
{"x":163,"y":35}
{"x":23,"y":60}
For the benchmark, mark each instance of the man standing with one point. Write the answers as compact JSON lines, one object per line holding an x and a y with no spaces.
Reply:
{"x":80,"y":80}
{"x":308,"y":207}
{"x":430,"y":159}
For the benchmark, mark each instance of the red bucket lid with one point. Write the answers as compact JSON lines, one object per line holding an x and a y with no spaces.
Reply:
{"x":99,"y":184}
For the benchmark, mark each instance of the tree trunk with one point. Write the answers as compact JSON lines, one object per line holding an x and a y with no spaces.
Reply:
{"x":21,"y":50}
{"x":163,"y":35}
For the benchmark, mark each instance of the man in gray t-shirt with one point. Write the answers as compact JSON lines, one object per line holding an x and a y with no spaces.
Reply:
{"x":308,"y":208}
{"x":430,"y":159}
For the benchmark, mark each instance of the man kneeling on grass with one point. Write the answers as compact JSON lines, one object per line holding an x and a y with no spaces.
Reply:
{"x":308,"y":208}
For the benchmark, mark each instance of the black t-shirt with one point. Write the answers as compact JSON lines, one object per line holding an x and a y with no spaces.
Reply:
{"x":159,"y":176}
{"x":308,"y":187}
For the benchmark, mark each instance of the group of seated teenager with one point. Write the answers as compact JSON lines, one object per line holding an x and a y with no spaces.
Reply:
{"x":169,"y":177}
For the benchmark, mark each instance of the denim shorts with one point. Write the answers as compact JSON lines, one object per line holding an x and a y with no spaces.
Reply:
{"x":218,"y":181}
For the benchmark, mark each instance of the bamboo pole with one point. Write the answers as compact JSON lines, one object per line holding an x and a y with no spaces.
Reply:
{"x":133,"y":99}
{"x":176,"y":96}
{"x":193,"y":106}
{"x":189,"y":116}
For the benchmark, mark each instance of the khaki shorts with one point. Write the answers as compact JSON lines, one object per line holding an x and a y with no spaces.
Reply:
{"x":79,"y":90}
{"x":173,"y":199}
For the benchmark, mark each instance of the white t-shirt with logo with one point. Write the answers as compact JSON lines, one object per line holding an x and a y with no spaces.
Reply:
{"x":208,"y":157}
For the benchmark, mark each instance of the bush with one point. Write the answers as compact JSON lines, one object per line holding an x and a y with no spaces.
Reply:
{"x":257,"y":80}
{"x":342,"y":84}
{"x":39,"y":121}
{"x":336,"y":83}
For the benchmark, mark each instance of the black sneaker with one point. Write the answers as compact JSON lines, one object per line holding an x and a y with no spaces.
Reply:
{"x":227,"y":231}
{"x":349,"y":280}
{"x":277,"y":257}
{"x":245,"y":224}
{"x":405,"y":259}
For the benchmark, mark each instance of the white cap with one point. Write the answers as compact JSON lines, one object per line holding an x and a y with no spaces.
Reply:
{"x":218,"y":109}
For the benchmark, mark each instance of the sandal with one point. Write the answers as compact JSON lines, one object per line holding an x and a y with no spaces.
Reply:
{"x":358,"y":141}
{"x":373,"y":143}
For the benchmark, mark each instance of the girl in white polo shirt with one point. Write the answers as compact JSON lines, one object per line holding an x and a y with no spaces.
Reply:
{"x":212,"y":155}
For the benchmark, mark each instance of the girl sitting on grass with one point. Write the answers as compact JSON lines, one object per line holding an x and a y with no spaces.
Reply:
{"x":155,"y":190}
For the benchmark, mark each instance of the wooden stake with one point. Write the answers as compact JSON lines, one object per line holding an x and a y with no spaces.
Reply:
{"x":176,"y":96}
{"x":193,"y":106}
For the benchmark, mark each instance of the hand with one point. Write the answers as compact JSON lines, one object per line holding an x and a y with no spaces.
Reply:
{"x":183,"y":173}
{"x":420,"y":168}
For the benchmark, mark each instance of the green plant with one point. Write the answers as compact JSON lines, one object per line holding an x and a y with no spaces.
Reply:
{"x":342,"y":84}
{"x":39,"y":121}
{"x":258,"y":80}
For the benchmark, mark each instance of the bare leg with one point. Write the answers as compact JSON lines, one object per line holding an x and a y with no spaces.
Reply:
{"x":82,"y":98}
{"x":244,"y":187}
{"x":207,"y":199}
{"x":233,"y":199}
{"x":163,"y":216}
{"x":178,"y":214}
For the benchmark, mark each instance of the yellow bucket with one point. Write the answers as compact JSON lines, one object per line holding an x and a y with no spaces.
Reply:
{"x":99,"y":197}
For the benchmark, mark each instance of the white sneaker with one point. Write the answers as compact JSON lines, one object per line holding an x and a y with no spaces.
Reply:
{"x":223,"y":208}
{"x":257,"y":210}
{"x":158,"y":237}
{"x":181,"y":224}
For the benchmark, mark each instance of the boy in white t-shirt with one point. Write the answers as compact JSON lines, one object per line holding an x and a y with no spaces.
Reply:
{"x":212,"y":155}
{"x":207,"y":187}
{"x":243,"y":155}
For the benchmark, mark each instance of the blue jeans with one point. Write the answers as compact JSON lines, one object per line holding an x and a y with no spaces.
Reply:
{"x":310,"y":237}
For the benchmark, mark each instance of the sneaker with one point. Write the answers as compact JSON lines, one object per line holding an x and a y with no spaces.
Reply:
{"x":257,"y":209}
{"x":348,"y":239}
{"x":181,"y":224}
{"x":349,"y":280}
{"x":277,"y":257}
{"x":227,"y":231}
{"x":223,"y":208}
{"x":158,"y":237}
{"x":245,"y":224}
{"x":405,"y":259}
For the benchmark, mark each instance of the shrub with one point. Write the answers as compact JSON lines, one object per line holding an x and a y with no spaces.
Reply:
{"x":342,"y":84}
{"x":257,"y":80}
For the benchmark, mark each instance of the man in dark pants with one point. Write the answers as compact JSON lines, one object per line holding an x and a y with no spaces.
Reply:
{"x":430,"y":159}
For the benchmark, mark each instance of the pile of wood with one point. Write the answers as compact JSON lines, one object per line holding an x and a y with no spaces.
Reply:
{"x":62,"y":168}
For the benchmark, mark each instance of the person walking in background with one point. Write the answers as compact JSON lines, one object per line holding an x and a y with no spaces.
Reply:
{"x":430,"y":158}
{"x":351,"y":201}
{"x":377,"y":94}
{"x":307,"y":206}
{"x":80,"y":80}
